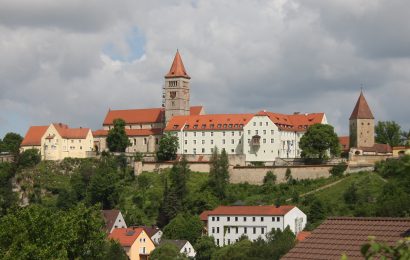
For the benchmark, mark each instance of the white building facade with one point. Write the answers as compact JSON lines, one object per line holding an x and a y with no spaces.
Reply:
{"x":226,"y":224}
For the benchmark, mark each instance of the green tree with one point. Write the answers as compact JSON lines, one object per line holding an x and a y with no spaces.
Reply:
{"x":115,"y":251}
{"x":167,"y":251}
{"x":270,"y":178}
{"x":184,"y":226}
{"x":288,"y":176}
{"x":388,"y":132}
{"x":7,"y":196}
{"x":238,"y":251}
{"x":36,"y":232}
{"x":117,"y":139}
{"x":29,"y":158}
{"x":11,"y":143}
{"x":179,"y":177}
{"x":405,"y":138}
{"x":351,"y":195}
{"x":377,"y":250}
{"x":204,"y":247}
{"x":219,"y":173}
{"x":317,"y":211}
{"x":318,"y":141}
{"x":168,"y":147}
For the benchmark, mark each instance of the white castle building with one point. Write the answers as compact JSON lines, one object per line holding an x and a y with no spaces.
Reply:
{"x":262,"y":136}
{"x":226,"y":224}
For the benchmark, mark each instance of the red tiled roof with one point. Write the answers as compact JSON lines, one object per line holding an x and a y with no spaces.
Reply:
{"x":150,"y":230}
{"x":135,"y":116}
{"x":209,"y":122}
{"x":302,"y":235}
{"x":251,"y":210}
{"x":142,"y":116}
{"x":126,"y":236}
{"x":71,"y":133}
{"x":377,"y":148}
{"x":195,"y":110}
{"x":344,"y":142}
{"x":346,"y":235}
{"x":294,"y":122}
{"x":109,"y":218}
{"x":204,"y":215}
{"x":362,"y":109}
{"x":33,"y":136}
{"x":177,"y":68}
{"x":132,"y":132}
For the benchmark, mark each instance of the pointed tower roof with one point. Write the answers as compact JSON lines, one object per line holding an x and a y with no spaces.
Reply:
{"x":362,"y":109}
{"x":177,"y":69}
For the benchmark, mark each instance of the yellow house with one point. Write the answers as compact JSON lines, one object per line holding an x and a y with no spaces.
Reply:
{"x":400,"y":151}
{"x":58,"y":141}
{"x":135,"y":241}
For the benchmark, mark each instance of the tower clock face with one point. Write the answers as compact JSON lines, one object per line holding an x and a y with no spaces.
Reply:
{"x":172,"y":94}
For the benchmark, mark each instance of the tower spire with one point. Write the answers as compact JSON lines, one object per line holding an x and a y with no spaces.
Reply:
{"x":177,"y":68}
{"x":362,"y":109}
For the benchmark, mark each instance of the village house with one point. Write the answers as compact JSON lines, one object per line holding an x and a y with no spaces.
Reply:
{"x":339,"y":236}
{"x":184,"y":246}
{"x":226,"y":224}
{"x":113,"y":219}
{"x":135,"y":241}
{"x":58,"y":141}
{"x":154,"y":232}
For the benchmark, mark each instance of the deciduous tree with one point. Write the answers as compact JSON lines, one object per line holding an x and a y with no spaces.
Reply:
{"x":168,"y":147}
{"x":117,"y":139}
{"x":318,"y":141}
{"x":388,"y":132}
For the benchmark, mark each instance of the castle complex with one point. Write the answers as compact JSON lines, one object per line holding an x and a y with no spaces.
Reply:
{"x":255,"y":137}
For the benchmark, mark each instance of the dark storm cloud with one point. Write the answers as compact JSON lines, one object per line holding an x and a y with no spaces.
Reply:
{"x":243,"y":56}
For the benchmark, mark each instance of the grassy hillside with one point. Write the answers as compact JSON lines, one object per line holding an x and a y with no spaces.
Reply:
{"x":140,"y":197}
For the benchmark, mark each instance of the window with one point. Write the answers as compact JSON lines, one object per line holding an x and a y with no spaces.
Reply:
{"x":262,"y":230}
{"x":203,"y":133}
{"x":262,"y":219}
{"x":236,"y":230}
{"x":264,"y":140}
{"x":213,"y":218}
{"x":194,"y":151}
{"x":228,"y":218}
{"x":278,"y":219}
{"x":223,"y":141}
{"x":264,"y":132}
{"x":233,"y":133}
{"x":229,"y":241}
{"x":266,"y":123}
{"x":236,"y":218}
{"x":80,"y":147}
{"x":194,"y":141}
{"x":212,"y":141}
{"x":232,"y":150}
{"x":212,"y":133}
{"x":256,"y":131}
{"x":232,"y":141}
{"x":249,"y":132}
{"x":230,"y":125}
{"x":186,"y":141}
{"x":211,"y":126}
{"x":217,"y":218}
{"x":240,"y":141}
{"x":253,"y":219}
{"x":254,"y":230}
{"x":203,"y":150}
{"x":186,"y":134}
{"x":203,"y":141}
{"x":194,"y":133}
{"x":273,"y":219}
{"x":272,"y":141}
{"x":228,"y":230}
{"x":145,"y":140}
{"x":260,"y":123}
{"x":217,"y":242}
{"x":213,"y":230}
{"x":223,"y":133}
{"x":249,"y":140}
{"x":244,"y":219}
{"x":217,"y":230}
{"x":254,"y":123}
{"x":271,"y":132}
{"x":245,"y":230}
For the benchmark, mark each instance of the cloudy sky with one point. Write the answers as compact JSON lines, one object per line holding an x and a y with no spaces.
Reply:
{"x":70,"y":61}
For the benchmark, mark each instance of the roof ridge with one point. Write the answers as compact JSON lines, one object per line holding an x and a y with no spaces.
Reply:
{"x":370,"y":218}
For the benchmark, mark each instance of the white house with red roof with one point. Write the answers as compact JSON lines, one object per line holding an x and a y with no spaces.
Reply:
{"x":226,"y":224}
{"x":58,"y":141}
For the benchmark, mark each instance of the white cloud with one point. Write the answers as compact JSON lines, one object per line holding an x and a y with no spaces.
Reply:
{"x":285,"y":56}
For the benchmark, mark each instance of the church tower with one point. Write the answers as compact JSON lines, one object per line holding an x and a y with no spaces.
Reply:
{"x":176,"y":90}
{"x":361,"y":124}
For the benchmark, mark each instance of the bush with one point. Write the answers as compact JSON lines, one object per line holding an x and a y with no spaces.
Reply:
{"x":29,"y":158}
{"x":338,"y":169}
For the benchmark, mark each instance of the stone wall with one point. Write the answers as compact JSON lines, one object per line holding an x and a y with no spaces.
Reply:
{"x":255,"y":175}
{"x":140,"y":167}
{"x":362,"y":160}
